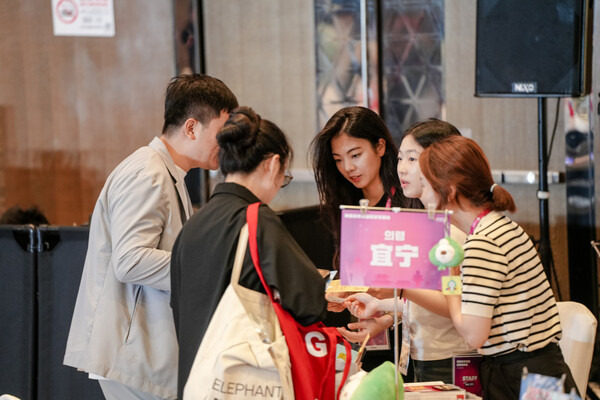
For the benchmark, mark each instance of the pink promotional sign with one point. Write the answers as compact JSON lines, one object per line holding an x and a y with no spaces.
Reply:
{"x":465,"y":373}
{"x":388,"y":249}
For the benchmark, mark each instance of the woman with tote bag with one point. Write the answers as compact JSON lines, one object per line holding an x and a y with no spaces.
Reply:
{"x":254,"y":156}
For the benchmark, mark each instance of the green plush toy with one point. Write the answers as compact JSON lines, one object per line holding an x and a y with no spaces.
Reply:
{"x":379,"y":384}
{"x":446,"y":254}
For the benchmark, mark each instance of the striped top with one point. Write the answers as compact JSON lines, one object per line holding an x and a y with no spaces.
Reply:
{"x":503,"y":279}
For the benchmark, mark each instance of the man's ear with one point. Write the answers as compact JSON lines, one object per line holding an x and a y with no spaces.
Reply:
{"x":188,"y":128}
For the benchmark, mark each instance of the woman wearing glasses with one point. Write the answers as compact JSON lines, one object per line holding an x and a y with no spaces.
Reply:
{"x":254,"y":157}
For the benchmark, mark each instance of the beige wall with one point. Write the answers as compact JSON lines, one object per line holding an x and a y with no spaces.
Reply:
{"x":71,"y":108}
{"x":264,"y":51}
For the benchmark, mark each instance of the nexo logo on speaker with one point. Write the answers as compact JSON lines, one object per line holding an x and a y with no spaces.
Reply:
{"x":524,"y":87}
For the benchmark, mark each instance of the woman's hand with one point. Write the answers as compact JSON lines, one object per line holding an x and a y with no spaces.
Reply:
{"x":371,"y":326}
{"x":335,"y":301}
{"x":362,"y":305}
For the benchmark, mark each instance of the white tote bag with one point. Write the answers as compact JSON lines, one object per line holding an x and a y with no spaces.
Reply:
{"x":243,"y":354}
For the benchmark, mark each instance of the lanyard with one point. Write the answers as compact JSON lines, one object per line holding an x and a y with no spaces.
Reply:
{"x":388,"y":203}
{"x":477,"y":219}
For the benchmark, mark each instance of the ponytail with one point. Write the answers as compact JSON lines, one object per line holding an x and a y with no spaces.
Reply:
{"x":502,"y":199}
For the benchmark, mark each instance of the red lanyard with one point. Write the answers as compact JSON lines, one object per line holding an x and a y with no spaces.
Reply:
{"x":477,"y":219}
{"x":388,"y":203}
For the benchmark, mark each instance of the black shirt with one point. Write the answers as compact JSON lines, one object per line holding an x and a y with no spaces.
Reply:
{"x":202,"y":261}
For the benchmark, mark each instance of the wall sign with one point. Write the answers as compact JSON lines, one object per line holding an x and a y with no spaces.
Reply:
{"x":83,"y":18}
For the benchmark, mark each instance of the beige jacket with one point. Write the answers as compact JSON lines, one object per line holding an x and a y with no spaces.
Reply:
{"x":122,"y":327}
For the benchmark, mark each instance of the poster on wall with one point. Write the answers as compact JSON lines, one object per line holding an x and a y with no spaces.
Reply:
{"x":83,"y":18}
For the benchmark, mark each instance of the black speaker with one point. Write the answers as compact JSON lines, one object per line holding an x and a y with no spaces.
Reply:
{"x":533,"y":48}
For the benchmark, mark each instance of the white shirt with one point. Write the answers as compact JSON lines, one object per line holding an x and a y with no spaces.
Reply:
{"x":433,"y":337}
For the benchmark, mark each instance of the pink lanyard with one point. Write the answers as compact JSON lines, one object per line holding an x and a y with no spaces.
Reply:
{"x":388,"y":203}
{"x":477,"y":219}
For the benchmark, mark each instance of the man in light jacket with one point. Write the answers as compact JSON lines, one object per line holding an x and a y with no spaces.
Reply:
{"x":122,"y":332}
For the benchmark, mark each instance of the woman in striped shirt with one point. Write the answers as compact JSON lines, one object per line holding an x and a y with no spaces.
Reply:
{"x":507,"y":309}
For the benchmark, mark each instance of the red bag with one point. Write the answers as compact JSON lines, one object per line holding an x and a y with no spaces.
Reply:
{"x":312,"y":348}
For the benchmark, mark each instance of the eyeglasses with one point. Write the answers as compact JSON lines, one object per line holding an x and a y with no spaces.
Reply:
{"x":287,"y":178}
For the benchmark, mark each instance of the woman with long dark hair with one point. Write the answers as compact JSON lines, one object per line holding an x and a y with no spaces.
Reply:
{"x":354,"y":158}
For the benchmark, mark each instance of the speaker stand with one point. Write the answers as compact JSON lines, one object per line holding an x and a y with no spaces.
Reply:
{"x":545,"y":249}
